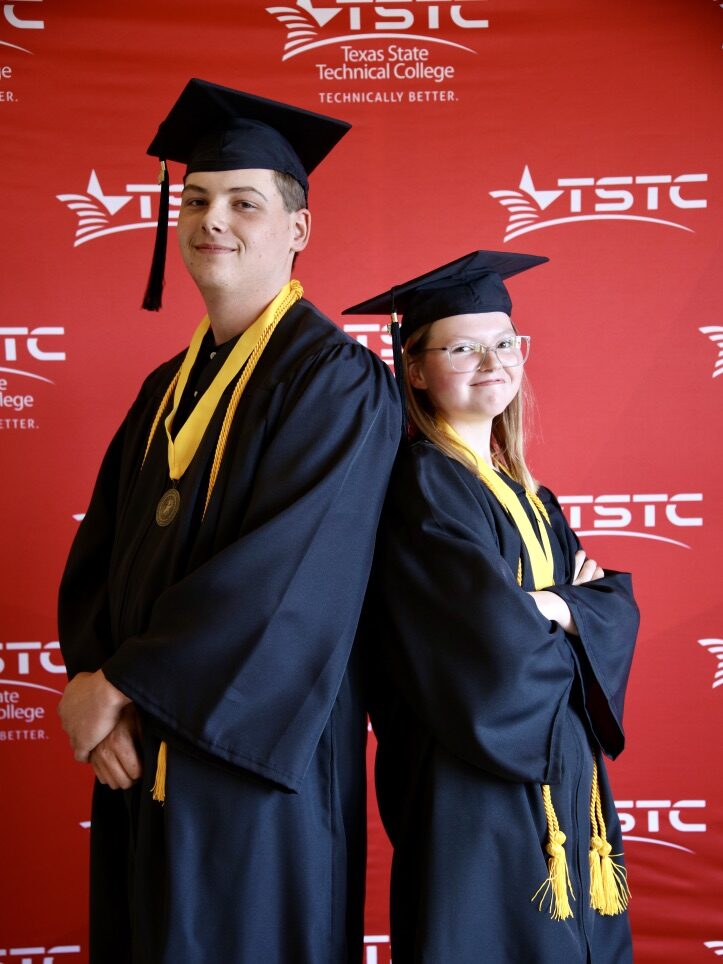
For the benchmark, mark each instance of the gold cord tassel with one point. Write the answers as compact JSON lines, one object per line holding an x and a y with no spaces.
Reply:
{"x":609,"y":891}
{"x":159,"y":787}
{"x":558,"y":880}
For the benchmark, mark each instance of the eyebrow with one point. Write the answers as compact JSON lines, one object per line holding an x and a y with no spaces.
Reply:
{"x":232,"y":190}
{"x":469,"y":338}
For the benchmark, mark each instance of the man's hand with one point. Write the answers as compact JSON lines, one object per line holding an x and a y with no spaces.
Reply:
{"x":89,"y":709}
{"x":115,"y":760}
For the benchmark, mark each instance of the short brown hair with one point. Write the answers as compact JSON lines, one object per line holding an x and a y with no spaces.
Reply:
{"x":292,"y":193}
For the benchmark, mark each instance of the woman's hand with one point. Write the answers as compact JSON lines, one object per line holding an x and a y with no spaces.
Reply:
{"x":585,"y":569}
{"x":554,"y":607}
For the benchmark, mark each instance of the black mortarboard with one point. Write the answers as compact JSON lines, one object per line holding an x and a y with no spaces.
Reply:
{"x":214,"y":128}
{"x":469,"y":285}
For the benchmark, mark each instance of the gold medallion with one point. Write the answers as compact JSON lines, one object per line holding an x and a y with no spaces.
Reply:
{"x":168,"y":506}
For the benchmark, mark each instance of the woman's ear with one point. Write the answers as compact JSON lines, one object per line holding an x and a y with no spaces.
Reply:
{"x":415,"y":368}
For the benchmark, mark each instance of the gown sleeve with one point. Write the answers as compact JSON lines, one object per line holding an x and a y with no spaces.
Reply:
{"x":607,"y":618}
{"x":474,"y":658}
{"x":243,"y":657}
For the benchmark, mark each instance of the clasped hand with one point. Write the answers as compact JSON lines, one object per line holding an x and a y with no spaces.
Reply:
{"x":554,"y":607}
{"x":103,"y":728}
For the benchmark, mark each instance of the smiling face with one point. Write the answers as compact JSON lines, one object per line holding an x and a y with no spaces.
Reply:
{"x":465,"y":398}
{"x":235,"y":233}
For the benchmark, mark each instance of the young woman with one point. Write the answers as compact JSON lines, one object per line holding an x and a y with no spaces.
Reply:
{"x":500,"y":656}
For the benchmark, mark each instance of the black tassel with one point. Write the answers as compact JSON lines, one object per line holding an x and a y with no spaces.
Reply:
{"x":398,"y":368}
{"x":154,"y":290}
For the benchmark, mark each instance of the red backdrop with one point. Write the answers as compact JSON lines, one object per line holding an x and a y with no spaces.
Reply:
{"x":588,"y":132}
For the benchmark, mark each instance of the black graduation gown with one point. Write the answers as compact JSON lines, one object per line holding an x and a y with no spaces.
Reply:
{"x":477,"y":700}
{"x":233,"y":637}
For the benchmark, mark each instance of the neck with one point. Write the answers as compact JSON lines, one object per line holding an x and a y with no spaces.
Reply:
{"x":477,"y":434}
{"x":232,"y":311}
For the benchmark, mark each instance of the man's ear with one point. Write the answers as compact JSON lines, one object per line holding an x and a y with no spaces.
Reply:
{"x":301,"y":229}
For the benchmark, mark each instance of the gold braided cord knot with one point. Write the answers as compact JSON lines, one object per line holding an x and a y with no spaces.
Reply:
{"x":557,"y":883}
{"x":609,"y":891}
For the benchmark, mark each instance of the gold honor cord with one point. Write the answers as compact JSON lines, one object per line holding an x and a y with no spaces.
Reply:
{"x":609,"y":893}
{"x":246,"y":351}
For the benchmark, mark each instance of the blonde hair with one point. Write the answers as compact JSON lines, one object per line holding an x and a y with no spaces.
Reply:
{"x":508,"y":428}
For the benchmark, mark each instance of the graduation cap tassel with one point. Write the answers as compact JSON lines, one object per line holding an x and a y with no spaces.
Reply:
{"x":159,"y":786}
{"x":154,"y":290}
{"x":395,"y":332}
{"x":609,"y":891}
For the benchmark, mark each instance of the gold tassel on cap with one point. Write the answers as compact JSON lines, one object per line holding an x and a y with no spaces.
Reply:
{"x":159,"y":787}
{"x":609,"y":891}
{"x":558,"y":880}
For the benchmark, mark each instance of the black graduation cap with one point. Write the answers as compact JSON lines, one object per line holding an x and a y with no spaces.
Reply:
{"x":215,"y":128}
{"x":469,"y":285}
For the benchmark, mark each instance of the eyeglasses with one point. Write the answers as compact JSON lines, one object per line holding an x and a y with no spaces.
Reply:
{"x":511,"y":351}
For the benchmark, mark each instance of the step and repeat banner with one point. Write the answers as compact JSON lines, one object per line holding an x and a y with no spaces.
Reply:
{"x":587,"y":132}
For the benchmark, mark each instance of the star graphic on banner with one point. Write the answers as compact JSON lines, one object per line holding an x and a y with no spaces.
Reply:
{"x":302,"y":26}
{"x":524,"y":206}
{"x":543,"y":199}
{"x":715,"y":333}
{"x":111,"y":202}
{"x":93,"y":209}
{"x":715,"y":648}
{"x":321,"y":15}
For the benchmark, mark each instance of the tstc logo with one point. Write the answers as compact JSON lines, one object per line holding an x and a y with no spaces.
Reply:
{"x":97,"y":213}
{"x":23,"y":705}
{"x":22,"y":661}
{"x":17,"y":14}
{"x":18,"y":340}
{"x":647,"y":816}
{"x":715,"y":648}
{"x":309,"y":26}
{"x":36,"y":955}
{"x":376,"y":949}
{"x":600,"y":199}
{"x":715,"y":333}
{"x":638,"y":516}
{"x":373,"y":336}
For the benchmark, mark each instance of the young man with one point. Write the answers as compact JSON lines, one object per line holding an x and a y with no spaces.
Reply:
{"x":211,"y":597}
